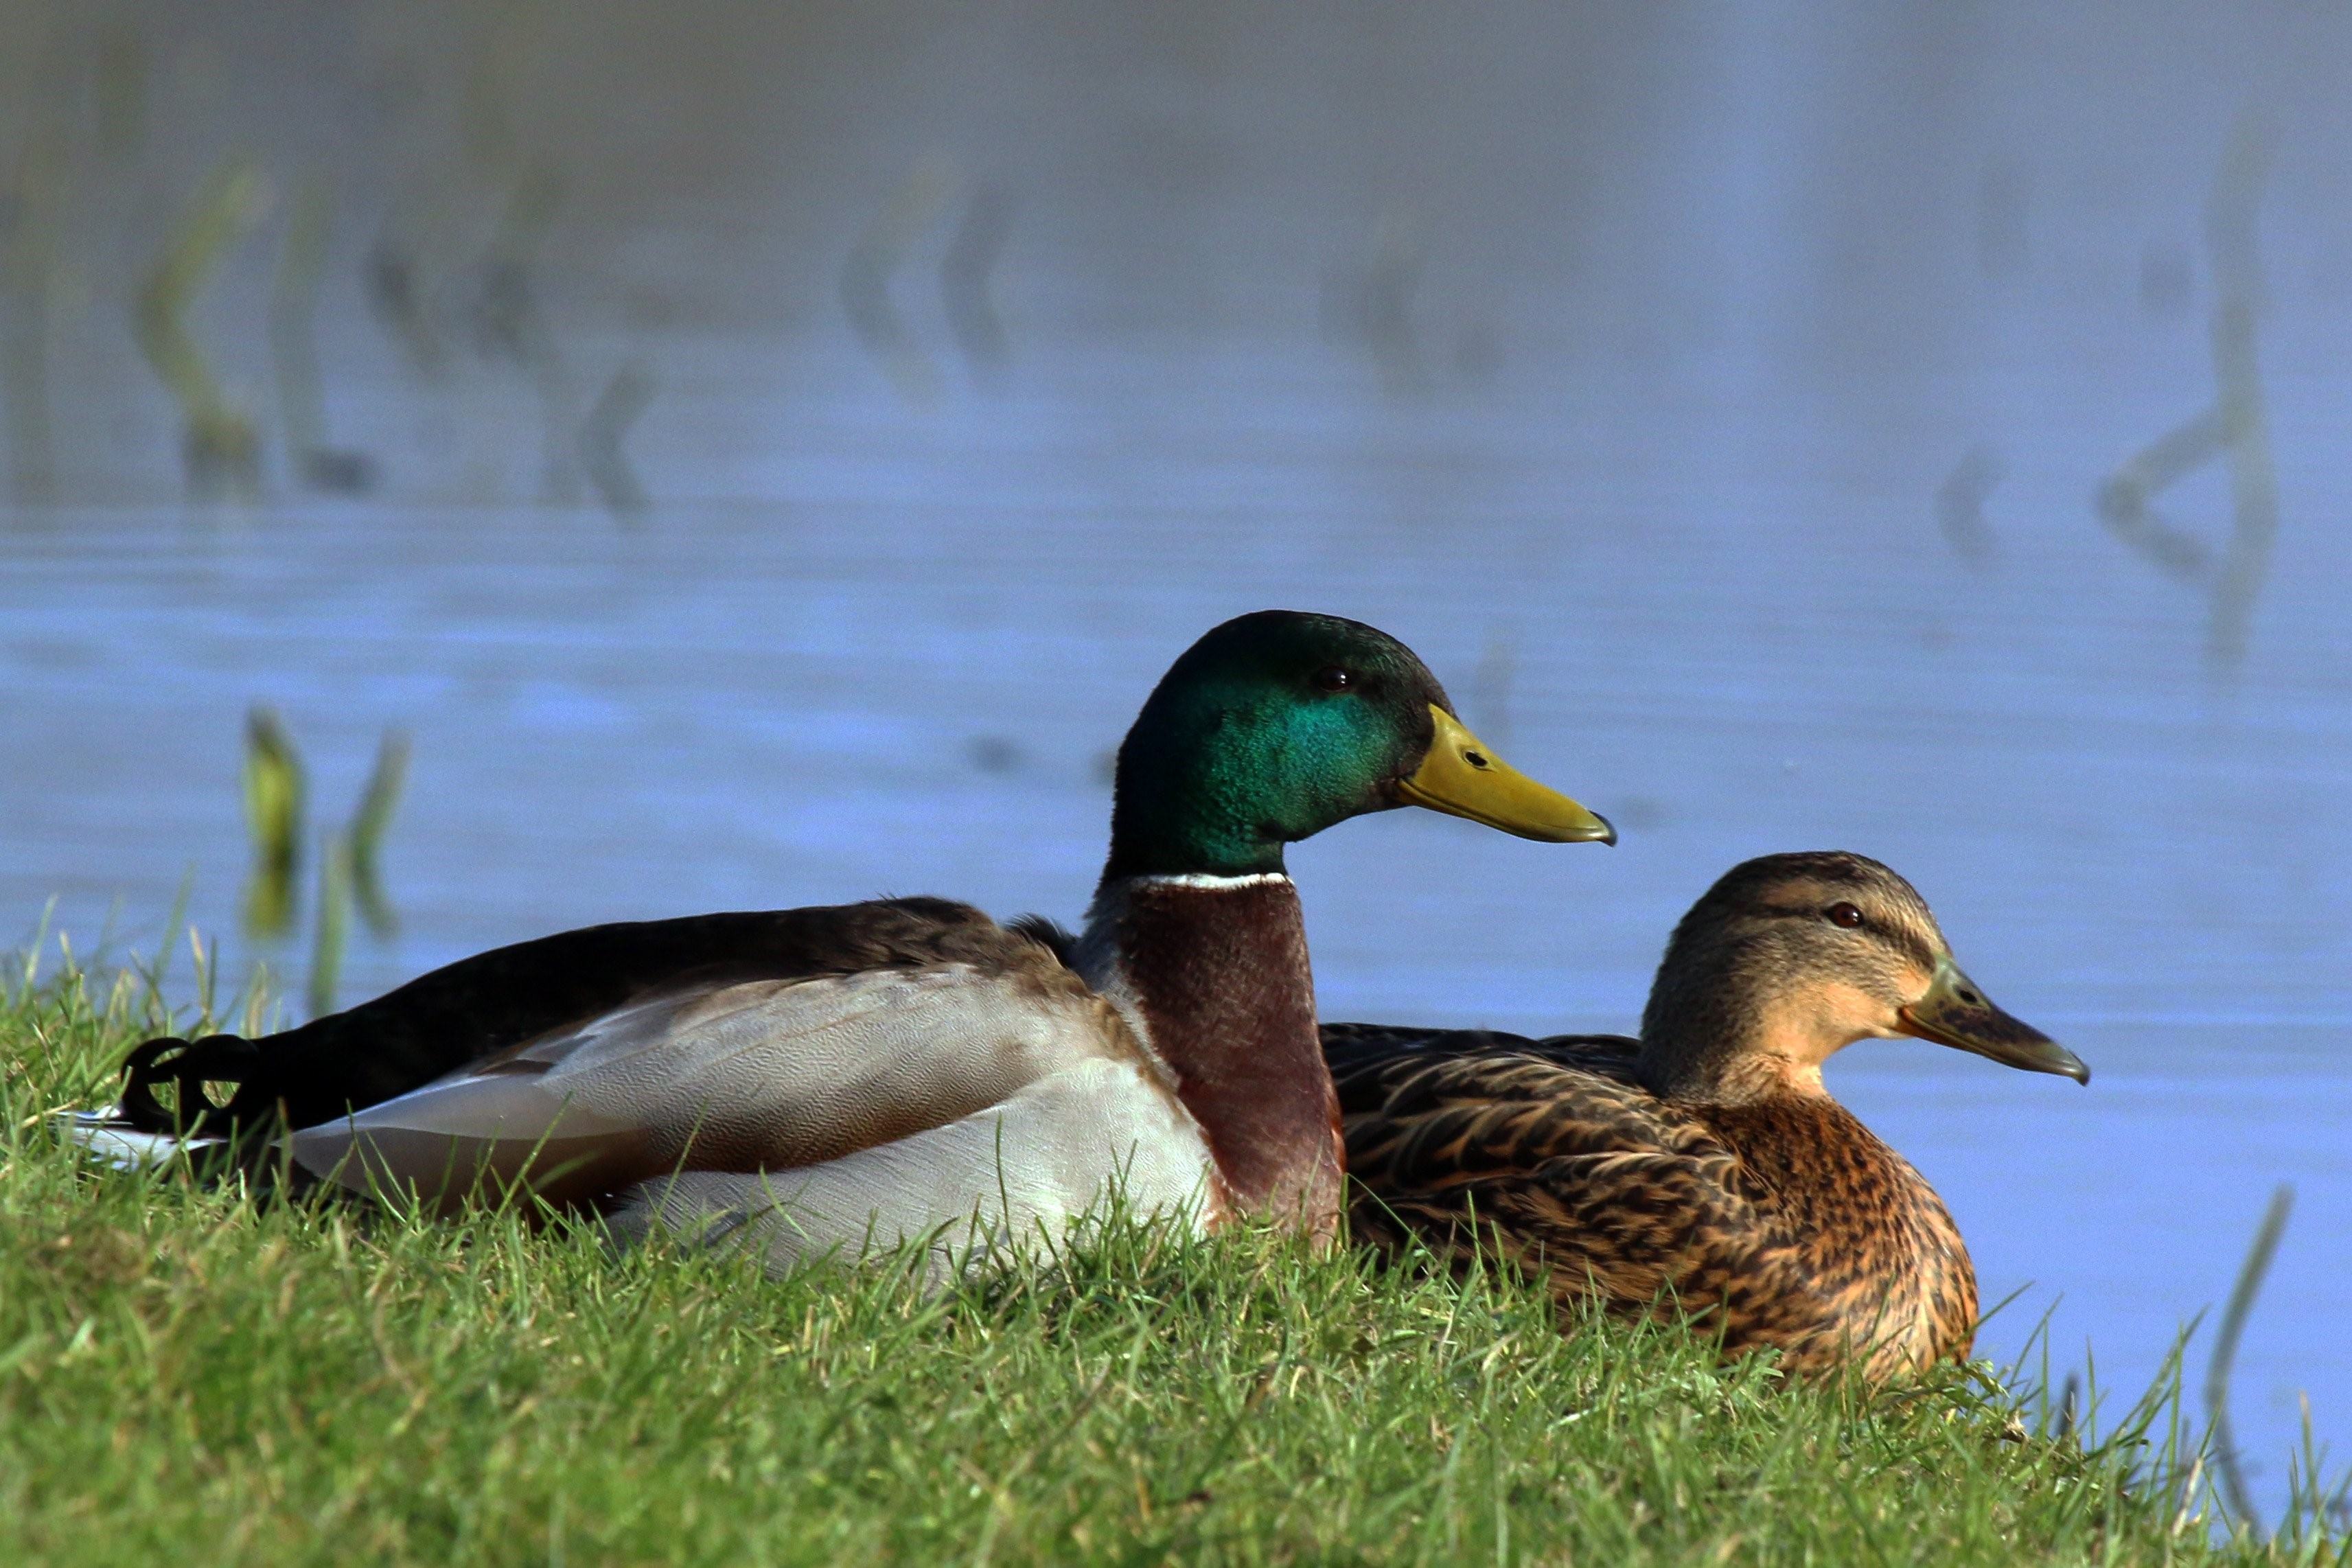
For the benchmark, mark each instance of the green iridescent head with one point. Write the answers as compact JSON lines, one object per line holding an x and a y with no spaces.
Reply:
{"x":1276,"y":725}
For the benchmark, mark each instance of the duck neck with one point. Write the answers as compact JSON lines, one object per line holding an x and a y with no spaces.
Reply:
{"x":1212,"y":972}
{"x":1715,"y":1038}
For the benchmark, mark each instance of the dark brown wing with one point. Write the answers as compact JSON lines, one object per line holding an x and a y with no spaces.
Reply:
{"x":1363,"y":1058}
{"x":498,"y":1001}
{"x":1550,"y":1155}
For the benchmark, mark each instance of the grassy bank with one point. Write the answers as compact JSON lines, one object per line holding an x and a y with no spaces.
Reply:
{"x":187,"y":1375}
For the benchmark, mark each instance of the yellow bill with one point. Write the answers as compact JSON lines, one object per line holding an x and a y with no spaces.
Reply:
{"x":1461,"y":778}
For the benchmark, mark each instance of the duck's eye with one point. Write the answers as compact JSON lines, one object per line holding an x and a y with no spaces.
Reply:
{"x":1844,"y":914}
{"x":1331,"y":677}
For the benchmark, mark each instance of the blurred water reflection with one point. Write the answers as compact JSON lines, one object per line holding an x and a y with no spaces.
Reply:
{"x":1717,"y":398}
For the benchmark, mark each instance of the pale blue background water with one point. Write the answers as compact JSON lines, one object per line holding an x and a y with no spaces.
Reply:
{"x":1702,"y":310}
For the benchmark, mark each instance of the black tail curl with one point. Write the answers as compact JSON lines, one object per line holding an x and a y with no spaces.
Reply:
{"x":189,"y":1066}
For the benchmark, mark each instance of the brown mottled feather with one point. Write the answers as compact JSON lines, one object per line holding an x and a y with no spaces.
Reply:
{"x":1783,"y":1223}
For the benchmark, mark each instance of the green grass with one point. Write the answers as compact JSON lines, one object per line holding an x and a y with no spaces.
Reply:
{"x":189,"y":1376}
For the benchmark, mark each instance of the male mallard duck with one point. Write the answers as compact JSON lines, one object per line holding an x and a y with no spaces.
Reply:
{"x":817,"y":1077}
{"x":1703,"y":1162}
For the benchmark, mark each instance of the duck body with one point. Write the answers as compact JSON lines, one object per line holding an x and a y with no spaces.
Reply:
{"x":843,"y":1077}
{"x":790,"y":1080}
{"x":805,"y":1080}
{"x":1782,"y":1223}
{"x":1702,"y":1168}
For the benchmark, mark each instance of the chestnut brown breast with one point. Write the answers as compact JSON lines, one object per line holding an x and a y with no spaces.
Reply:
{"x":1219,"y":971}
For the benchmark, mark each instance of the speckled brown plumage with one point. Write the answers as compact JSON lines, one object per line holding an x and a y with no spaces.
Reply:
{"x":1785,"y":1224}
{"x":1701,"y":1167}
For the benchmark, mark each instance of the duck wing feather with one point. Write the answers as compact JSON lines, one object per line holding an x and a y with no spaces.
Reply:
{"x":494,"y":1002}
{"x":724,"y":1069}
{"x":1549,"y":1155}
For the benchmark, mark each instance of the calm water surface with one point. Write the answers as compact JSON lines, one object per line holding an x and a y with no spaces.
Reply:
{"x":858,"y":647}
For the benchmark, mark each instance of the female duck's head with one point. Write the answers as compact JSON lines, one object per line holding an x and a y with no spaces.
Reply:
{"x":1277,"y":725}
{"x":1788,"y":958}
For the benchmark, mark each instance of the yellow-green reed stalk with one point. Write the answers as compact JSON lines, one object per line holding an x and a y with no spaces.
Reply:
{"x":27,"y":274}
{"x":512,"y":322}
{"x":2232,"y":220}
{"x":293,"y":298}
{"x":119,"y":80}
{"x":2236,"y":428}
{"x":866,"y":276}
{"x":222,"y":445}
{"x":368,"y":827}
{"x":2224,"y":1444}
{"x":602,"y":457}
{"x":273,"y":815}
{"x":332,"y":935}
{"x":971,"y":256}
{"x":293,"y":346}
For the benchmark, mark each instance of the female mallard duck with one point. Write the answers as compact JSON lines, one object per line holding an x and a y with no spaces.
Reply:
{"x":1705,"y":1163}
{"x":816,"y":1076}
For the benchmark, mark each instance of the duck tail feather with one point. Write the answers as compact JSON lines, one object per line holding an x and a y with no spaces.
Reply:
{"x":111,"y":1138}
{"x":196,"y":1071}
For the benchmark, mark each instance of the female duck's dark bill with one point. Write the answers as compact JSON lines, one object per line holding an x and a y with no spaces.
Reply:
{"x":1955,"y":1012}
{"x":1463,"y":777}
